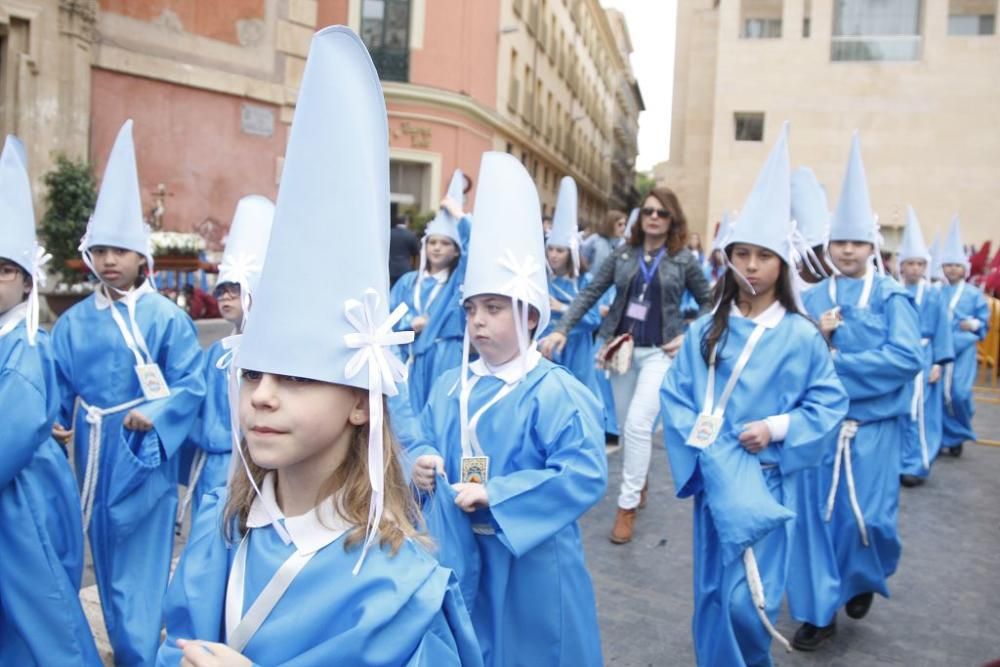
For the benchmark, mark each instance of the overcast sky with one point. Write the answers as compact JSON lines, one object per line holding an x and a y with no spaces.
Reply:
{"x":651,"y":25}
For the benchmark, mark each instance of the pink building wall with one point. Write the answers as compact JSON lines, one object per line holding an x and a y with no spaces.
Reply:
{"x":188,"y":139}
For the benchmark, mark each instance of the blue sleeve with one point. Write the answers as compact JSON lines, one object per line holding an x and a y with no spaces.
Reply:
{"x":943,"y":343}
{"x":63,"y":357}
{"x":884,"y":369}
{"x":450,"y":639}
{"x":402,"y":292}
{"x":680,"y":408}
{"x":530,"y":506}
{"x":25,"y":423}
{"x":819,"y":411}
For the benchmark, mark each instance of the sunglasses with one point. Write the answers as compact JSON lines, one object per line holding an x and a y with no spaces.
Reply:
{"x":649,"y":211}
{"x":227,"y":291}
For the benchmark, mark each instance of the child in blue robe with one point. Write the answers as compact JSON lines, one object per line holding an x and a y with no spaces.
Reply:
{"x":435,"y":312}
{"x":41,"y":540}
{"x":923,"y":439}
{"x":873,"y":329}
{"x":520,"y":441}
{"x":128,"y":365}
{"x":211,"y":441}
{"x":968,"y":314}
{"x":758,"y":374}
{"x":310,"y":556}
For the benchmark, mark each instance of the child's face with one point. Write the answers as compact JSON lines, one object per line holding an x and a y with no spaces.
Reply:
{"x":491,"y":327}
{"x":116,"y":266}
{"x":953,"y":272}
{"x":558,"y":259}
{"x":230,"y":306}
{"x":760,"y":266}
{"x":297,"y":422}
{"x":851,"y":257}
{"x":13,"y":285}
{"x":912,"y":270}
{"x":441,"y":252}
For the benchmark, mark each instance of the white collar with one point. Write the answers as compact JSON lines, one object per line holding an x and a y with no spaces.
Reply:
{"x":769,"y":319}
{"x":511,"y":372}
{"x":441,"y":276}
{"x":310,"y":532}
{"x":102,"y":301}
{"x":13,"y":317}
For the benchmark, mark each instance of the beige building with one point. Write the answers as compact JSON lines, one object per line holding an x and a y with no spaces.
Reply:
{"x":917,"y":78}
{"x":628,"y":105}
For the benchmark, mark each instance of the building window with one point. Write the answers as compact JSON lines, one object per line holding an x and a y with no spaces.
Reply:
{"x":807,"y":18}
{"x":385,"y":29}
{"x":760,"y":19}
{"x":972,"y":17}
{"x":749,"y":125}
{"x":883,"y":30}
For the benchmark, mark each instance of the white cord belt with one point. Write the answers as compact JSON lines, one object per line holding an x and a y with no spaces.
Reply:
{"x":757,"y":595}
{"x":848,"y":430}
{"x":95,"y":417}
{"x":197,"y":466}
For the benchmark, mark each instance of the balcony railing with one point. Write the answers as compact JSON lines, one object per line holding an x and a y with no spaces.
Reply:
{"x":393,"y":64}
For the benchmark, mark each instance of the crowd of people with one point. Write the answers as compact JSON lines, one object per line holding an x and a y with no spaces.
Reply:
{"x":394,"y":476}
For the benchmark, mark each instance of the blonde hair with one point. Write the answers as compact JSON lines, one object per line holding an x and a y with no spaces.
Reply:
{"x":351,"y":490}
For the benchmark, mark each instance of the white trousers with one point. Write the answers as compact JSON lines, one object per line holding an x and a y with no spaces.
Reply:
{"x":637,"y":406}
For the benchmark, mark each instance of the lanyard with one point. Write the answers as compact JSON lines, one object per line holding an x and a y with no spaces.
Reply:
{"x":133,"y":339}
{"x":470,"y":443}
{"x":919,"y":298}
{"x":649,"y":271}
{"x":563,"y":293}
{"x":866,"y":291}
{"x":953,"y":304}
{"x":240,"y":628}
{"x":423,"y":308}
{"x":727,"y":391}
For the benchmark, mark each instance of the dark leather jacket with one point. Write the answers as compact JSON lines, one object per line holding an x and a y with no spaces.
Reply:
{"x":676,"y":273}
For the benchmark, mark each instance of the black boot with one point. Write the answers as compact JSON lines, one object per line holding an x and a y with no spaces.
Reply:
{"x":857,"y":607}
{"x":810,"y":637}
{"x":956,"y":451}
{"x":910,"y":481}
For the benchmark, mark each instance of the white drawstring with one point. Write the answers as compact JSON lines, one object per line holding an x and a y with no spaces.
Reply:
{"x":848,"y":430}
{"x":197,"y":466}
{"x":756,"y":586}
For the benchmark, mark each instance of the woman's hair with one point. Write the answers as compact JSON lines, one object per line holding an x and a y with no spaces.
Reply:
{"x":606,"y":227}
{"x":676,"y":233}
{"x":727,"y":290}
{"x":454,"y":260}
{"x":571,"y":271}
{"x":349,"y":487}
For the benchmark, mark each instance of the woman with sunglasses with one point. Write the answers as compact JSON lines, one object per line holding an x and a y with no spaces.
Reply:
{"x":650,"y":273}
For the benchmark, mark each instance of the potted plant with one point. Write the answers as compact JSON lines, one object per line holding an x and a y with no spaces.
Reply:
{"x":70,"y":200}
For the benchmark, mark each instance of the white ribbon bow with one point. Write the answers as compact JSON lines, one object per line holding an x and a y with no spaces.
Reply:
{"x":38,"y":279}
{"x":238,"y":269}
{"x":521,"y":286}
{"x":373,"y":342}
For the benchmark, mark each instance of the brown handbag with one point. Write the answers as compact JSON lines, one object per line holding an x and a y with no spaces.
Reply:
{"x":616,"y":356}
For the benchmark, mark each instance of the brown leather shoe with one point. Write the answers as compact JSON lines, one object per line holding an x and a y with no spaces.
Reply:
{"x":624,"y":523}
{"x":642,"y":495}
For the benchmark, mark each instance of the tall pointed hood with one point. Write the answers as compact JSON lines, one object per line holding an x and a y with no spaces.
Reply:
{"x":633,"y":216}
{"x":117,"y":220}
{"x":810,"y":209}
{"x":444,"y":223}
{"x":507,"y":247}
{"x":952,"y":250}
{"x":311,"y":320}
{"x":853,"y":220}
{"x":765,"y":219}
{"x":17,"y":225}
{"x":565,"y":231}
{"x":912,"y":246}
{"x":246,"y":246}
{"x":935,"y":272}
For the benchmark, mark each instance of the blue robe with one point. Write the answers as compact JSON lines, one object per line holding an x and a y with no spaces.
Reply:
{"x":578,"y":355}
{"x":603,"y":382}
{"x":535,"y":601}
{"x":741,"y":499}
{"x":41,"y":539}
{"x":212,"y":434}
{"x":438,"y":347}
{"x":957,"y":422}
{"x":938,"y":348}
{"x":877,"y":354}
{"x":132,"y":528}
{"x":401,"y":609}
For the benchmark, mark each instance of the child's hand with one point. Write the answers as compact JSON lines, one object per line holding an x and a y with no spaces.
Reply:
{"x":970,"y":324}
{"x":552,"y":344}
{"x":672,"y":346}
{"x":471,"y":496}
{"x":829,"y":321}
{"x":556,"y":305}
{"x":418,"y":323}
{"x":755,"y":437}
{"x":935,"y":374}
{"x":426,"y":469}
{"x":61,"y":434}
{"x":136,"y":421}
{"x":604,"y":310}
{"x":210,"y":654}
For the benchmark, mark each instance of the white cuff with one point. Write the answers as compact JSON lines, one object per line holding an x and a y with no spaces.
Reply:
{"x":778,"y":426}
{"x":974,"y":323}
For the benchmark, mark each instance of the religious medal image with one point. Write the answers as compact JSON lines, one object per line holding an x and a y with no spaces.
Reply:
{"x":154,"y":385}
{"x":475,"y":469}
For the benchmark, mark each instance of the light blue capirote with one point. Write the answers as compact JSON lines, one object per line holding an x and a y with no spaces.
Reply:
{"x":952,"y":250}
{"x":853,"y":219}
{"x":912,"y":245}
{"x":565,"y":231}
{"x":810,"y":209}
{"x":246,"y":243}
{"x":444,"y":223}
{"x":633,"y":215}
{"x":333,"y":211}
{"x":117,"y":221}
{"x":17,"y":213}
{"x":935,"y":271}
